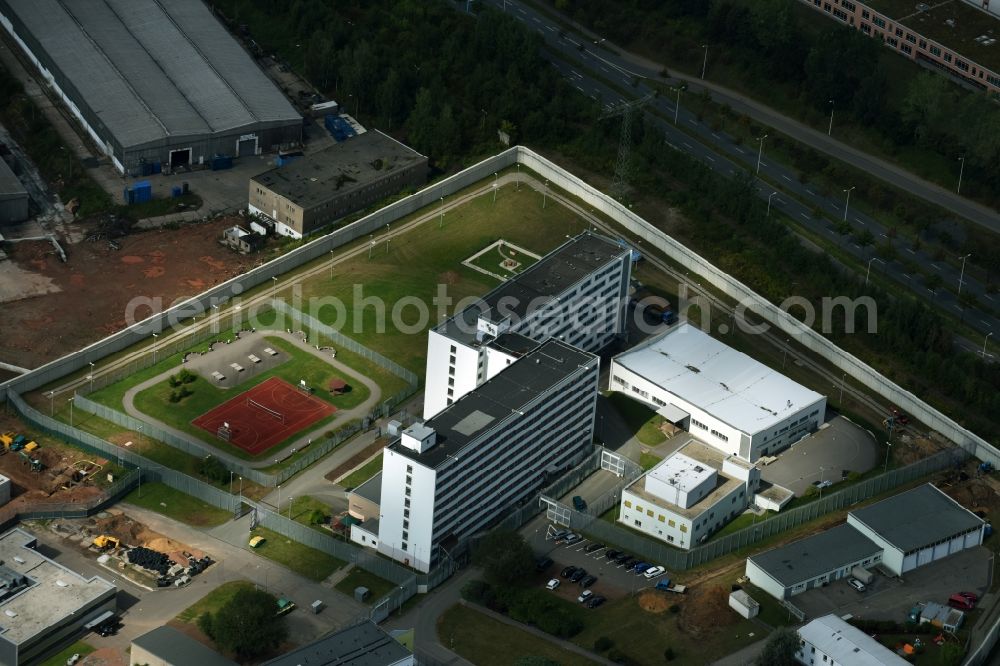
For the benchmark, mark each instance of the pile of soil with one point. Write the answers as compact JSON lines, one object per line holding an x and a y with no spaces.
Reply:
{"x":706,"y":610}
{"x":654,"y":602}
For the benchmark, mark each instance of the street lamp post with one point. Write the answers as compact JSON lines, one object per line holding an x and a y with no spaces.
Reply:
{"x":769,"y":203}
{"x":517,"y":183}
{"x":274,"y":285}
{"x":829,"y":129}
{"x":821,"y":468}
{"x":842,"y":380}
{"x":885,"y":466}
{"x":71,"y":411}
{"x":331,"y":264}
{"x":371,"y":246}
{"x":545,"y":194}
{"x":496,"y":183}
{"x":677,"y":104}
{"x":704,"y":62}
{"x":784,"y":356}
{"x":278,"y":506}
{"x":92,"y":364}
{"x":291,"y":501}
{"x":961,"y":170}
{"x":154,"y":348}
{"x":441,"y":220}
{"x":52,"y":408}
{"x":869,"y":271}
{"x":961,"y":277}
{"x":760,"y":150}
{"x":848,"y":202}
{"x":986,"y":340}
{"x":387,"y":239}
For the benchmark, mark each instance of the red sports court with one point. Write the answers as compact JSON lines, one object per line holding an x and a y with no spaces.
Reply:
{"x":269,"y":413}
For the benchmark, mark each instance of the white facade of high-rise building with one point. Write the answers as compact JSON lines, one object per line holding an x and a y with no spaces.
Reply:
{"x":577,"y":293}
{"x":449,"y":477}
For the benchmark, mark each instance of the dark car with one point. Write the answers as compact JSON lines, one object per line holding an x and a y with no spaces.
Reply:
{"x":622,"y":556}
{"x":561,"y":534}
{"x":628,"y":563}
{"x":572,"y":538}
{"x":579,"y":503}
{"x":595,"y":601}
{"x":594,"y":546}
{"x":587,"y":581}
{"x":568,"y":571}
{"x":543,"y":563}
{"x":578,"y":575}
{"x":642,"y":566}
{"x":612,"y":554}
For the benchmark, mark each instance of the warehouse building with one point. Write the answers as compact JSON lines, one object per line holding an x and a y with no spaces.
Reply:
{"x":689,"y":495}
{"x":44,"y":605}
{"x":322,"y":187}
{"x":901,"y":533}
{"x":449,"y":477}
{"x":364,"y":644}
{"x":830,"y":640}
{"x":733,"y":402}
{"x":156,"y":85}
{"x":917,"y":527}
{"x":812,"y":562}
{"x":576,"y":293}
{"x":13,"y":196}
{"x":165,"y":646}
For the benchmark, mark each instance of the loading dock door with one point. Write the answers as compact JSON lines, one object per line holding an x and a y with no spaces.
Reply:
{"x":180,"y":158}
{"x":246,"y":147}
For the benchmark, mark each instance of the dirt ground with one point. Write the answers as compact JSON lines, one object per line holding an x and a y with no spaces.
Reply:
{"x":96,"y":284}
{"x":133,"y":533}
{"x":357,"y":459}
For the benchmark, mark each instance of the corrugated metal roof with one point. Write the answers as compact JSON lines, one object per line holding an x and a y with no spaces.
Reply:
{"x":805,"y":559}
{"x":151,"y":69}
{"x":174,"y":647}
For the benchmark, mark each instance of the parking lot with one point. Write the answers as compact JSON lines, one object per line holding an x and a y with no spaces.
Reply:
{"x":891,"y":598}
{"x":829,"y":454}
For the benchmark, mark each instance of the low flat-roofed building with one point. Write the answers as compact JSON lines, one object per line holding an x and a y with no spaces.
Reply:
{"x":689,"y":495}
{"x":42,"y":603}
{"x":918,"y":527}
{"x":830,"y":640}
{"x":322,"y":187}
{"x":812,"y":562}
{"x":13,"y":196}
{"x":165,"y":646}
{"x":364,"y":644}
{"x":706,"y":387}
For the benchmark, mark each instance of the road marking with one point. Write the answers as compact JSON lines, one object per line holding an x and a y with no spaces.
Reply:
{"x":907,"y":276}
{"x":804,"y":215}
{"x":780,"y":201}
{"x":550,"y":28}
{"x":605,"y":69}
{"x":578,"y":88}
{"x":740,"y":150}
{"x":810,"y":192}
{"x":856,"y":245}
{"x":910,"y":251}
{"x":930,"y":290}
{"x":835,"y":205}
{"x":956,"y":307}
{"x":692,"y":121}
{"x":786,"y":178}
{"x":859,"y":221}
{"x":573,"y":72}
{"x":936,"y":267}
{"x":884,"y":236}
{"x":988,"y":296}
{"x":763,"y":164}
{"x":985,"y":322}
{"x":689,"y":146}
{"x":716,"y":135}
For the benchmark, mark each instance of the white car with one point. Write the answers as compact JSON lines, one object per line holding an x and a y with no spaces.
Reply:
{"x":586,"y":594}
{"x":653,"y":572}
{"x":856,"y":584}
{"x":72,"y":660}
{"x":552,"y":584}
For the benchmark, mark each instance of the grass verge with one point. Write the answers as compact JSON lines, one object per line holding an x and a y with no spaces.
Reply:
{"x":164,"y":500}
{"x":642,"y":420}
{"x":360,"y":578}
{"x":59,"y":659}
{"x":363,"y":473}
{"x":303,"y":560}
{"x":213,"y":601}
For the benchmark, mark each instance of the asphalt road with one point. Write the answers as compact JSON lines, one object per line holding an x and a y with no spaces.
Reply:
{"x":599,"y":68}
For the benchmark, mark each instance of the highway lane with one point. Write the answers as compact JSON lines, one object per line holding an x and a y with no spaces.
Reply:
{"x":724,"y":155}
{"x":877,"y":167}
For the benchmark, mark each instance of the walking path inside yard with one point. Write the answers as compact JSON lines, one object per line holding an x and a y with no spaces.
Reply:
{"x":342,"y":416}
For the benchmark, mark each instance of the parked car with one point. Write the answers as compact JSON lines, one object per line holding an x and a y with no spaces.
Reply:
{"x":960,"y":602}
{"x":612,"y":554}
{"x":595,"y":601}
{"x":641,"y":567}
{"x":587,"y":581}
{"x":543,"y":563}
{"x":971,"y":596}
{"x":559,"y":535}
{"x":567,"y":572}
{"x":622,"y":556}
{"x":856,"y":584}
{"x":594,"y":546}
{"x":825,"y":483}
{"x":572,"y":538}
{"x":653,"y":572}
{"x":578,"y":575}
{"x":552,"y":584}
{"x":579,"y":503}
{"x":72,"y":660}
{"x":629,"y":562}
{"x":584,"y":596}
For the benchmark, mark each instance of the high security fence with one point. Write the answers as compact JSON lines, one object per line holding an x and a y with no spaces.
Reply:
{"x":652,"y":551}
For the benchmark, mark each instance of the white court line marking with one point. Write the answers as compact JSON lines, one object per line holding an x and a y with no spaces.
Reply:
{"x":786,"y":178}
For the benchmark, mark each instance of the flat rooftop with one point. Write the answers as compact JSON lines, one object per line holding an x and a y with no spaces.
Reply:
{"x":815,"y":555}
{"x":514,"y":344}
{"x":174,"y":647}
{"x":681,"y":471}
{"x":917,"y":518}
{"x":722,"y":381}
{"x":955,"y":24}
{"x":10,"y":186}
{"x":57,"y":592}
{"x":363,"y":644}
{"x":371,"y":489}
{"x":537,"y":285}
{"x":498,"y":399}
{"x":845,"y":644}
{"x":339,"y":169}
{"x":151,"y":70}
{"x":706,"y":455}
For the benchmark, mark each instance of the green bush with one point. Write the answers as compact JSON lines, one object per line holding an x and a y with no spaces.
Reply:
{"x":475,"y":591}
{"x":617,"y":656}
{"x":206,"y":625}
{"x":211,"y":468}
{"x":603,"y":643}
{"x":669,"y":654}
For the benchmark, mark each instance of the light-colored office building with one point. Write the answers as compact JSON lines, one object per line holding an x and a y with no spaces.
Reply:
{"x":449,"y":477}
{"x":830,"y":641}
{"x":689,"y":495}
{"x":44,"y":605}
{"x":323,"y":187}
{"x":733,"y":402}
{"x":576,"y":293}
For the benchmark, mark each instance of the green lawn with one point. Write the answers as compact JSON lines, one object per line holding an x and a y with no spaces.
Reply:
{"x":488,"y":642}
{"x":213,"y":601}
{"x":363,"y":473}
{"x":358,"y":577}
{"x":643,"y":637}
{"x":155,"y":402}
{"x":428,"y":256}
{"x":163,"y":499}
{"x":739,"y":522}
{"x":303,"y":508}
{"x":492,"y":260}
{"x":642,"y":420}
{"x":648,"y":460}
{"x":771,"y":610}
{"x":305,"y":561}
{"x":81,"y":648}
